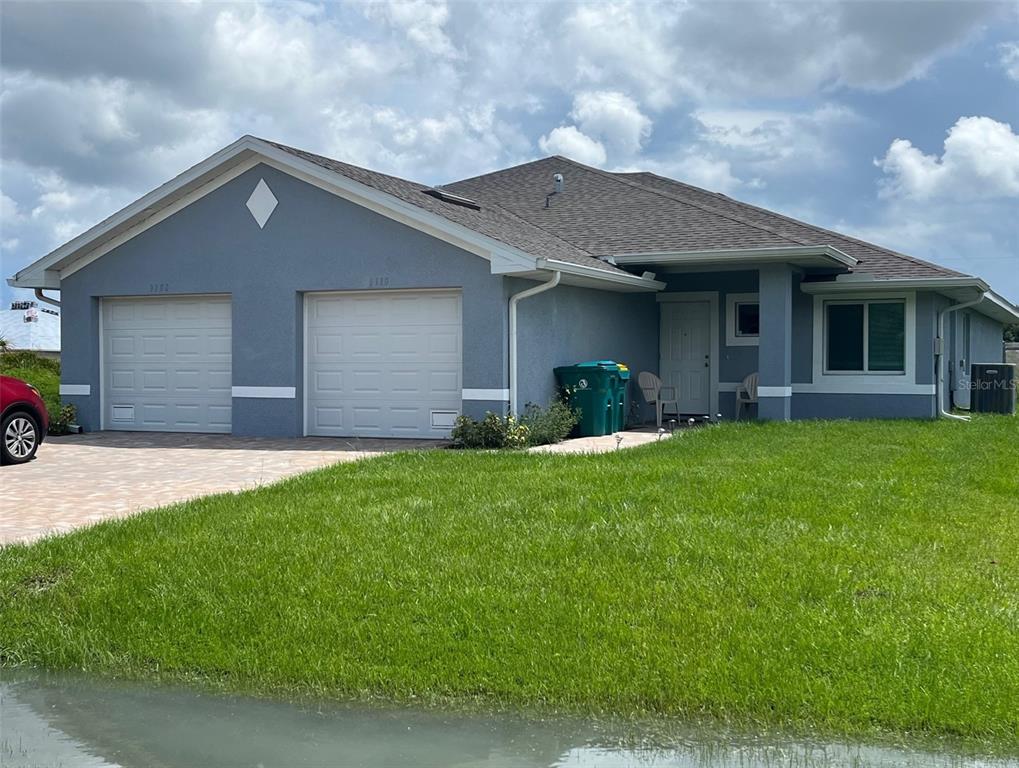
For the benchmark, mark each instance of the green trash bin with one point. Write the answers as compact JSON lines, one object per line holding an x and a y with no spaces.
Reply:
{"x":592,"y":389}
{"x":623,"y":413}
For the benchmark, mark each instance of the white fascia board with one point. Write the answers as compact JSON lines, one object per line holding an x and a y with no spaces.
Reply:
{"x":749,"y":255}
{"x":393,"y":207}
{"x":993,"y":305}
{"x":612,"y":280}
{"x":162,"y":214}
{"x":998,"y":307}
{"x":860,"y":284}
{"x":74,"y":254}
{"x":32,"y":274}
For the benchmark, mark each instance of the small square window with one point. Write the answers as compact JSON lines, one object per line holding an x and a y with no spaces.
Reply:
{"x":748,"y":319}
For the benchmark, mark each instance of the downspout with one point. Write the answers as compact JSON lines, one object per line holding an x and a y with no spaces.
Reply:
{"x":940,"y":352}
{"x":514,"y":300}
{"x":39,"y":295}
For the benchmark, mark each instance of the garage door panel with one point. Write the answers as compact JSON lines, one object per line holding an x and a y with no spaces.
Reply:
{"x":381,"y":364}
{"x":167,"y":364}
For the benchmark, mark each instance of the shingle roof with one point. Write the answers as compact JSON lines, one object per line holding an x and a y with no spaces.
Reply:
{"x":873,"y":259}
{"x":491,"y":219}
{"x":602,"y":214}
{"x":606,"y":213}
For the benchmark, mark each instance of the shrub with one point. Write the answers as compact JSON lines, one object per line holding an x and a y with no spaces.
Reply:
{"x":537,"y":426}
{"x":549,"y":425}
{"x":64,"y":418}
{"x":493,"y":431}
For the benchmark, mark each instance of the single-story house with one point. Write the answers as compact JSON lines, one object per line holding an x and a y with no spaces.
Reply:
{"x":271,"y":291}
{"x":27,"y":326}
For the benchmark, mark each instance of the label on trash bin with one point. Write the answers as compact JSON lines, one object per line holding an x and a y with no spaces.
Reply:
{"x":582,"y":384}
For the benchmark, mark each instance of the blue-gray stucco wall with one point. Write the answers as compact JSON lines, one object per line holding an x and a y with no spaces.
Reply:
{"x":567,"y":325}
{"x":313,"y":241}
{"x":986,"y":342}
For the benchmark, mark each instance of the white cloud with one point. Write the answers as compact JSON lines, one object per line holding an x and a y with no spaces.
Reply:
{"x":614,"y":117}
{"x":423,"y":22}
{"x":569,"y":141}
{"x":980,"y":160}
{"x":771,"y":140}
{"x":1009,"y":59}
{"x":113,"y":102}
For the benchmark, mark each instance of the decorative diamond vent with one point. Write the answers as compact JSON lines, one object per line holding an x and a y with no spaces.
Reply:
{"x":262,"y":203}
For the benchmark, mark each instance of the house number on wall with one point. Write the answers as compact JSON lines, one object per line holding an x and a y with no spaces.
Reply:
{"x":378,"y":282}
{"x":159,"y":287}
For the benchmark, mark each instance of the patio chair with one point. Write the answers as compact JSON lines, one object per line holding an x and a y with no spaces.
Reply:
{"x":657,"y":395}
{"x":746,"y":394}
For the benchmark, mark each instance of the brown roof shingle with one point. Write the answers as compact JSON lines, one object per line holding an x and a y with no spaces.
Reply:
{"x":616,"y":213}
{"x":491,"y":219}
{"x":600,"y":214}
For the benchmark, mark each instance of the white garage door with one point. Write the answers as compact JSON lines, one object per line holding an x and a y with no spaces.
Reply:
{"x":166,"y":364}
{"x":383,"y":364}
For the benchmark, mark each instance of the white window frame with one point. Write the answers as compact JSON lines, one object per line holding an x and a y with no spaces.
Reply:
{"x":732,"y":338}
{"x":859,"y":382}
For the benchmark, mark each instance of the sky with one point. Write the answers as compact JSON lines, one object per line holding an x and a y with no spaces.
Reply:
{"x":895,"y":122}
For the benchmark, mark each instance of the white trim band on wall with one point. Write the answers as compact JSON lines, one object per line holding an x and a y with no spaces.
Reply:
{"x":282,"y":393}
{"x":498,"y":395}
{"x":879,"y":386}
{"x":76,"y":389}
{"x":774,"y":391}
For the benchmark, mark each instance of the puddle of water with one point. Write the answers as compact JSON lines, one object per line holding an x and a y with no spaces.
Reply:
{"x":50,"y":720}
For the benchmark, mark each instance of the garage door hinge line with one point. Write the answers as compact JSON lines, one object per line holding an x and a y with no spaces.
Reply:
{"x":514,"y":300}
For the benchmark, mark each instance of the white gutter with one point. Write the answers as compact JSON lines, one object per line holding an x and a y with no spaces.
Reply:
{"x":39,"y":295}
{"x":604,"y":275}
{"x":940,"y":352}
{"x":514,"y":300}
{"x":768,"y":254}
{"x":858,"y":283}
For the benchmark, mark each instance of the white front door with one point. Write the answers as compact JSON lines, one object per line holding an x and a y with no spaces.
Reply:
{"x":383,"y":363}
{"x":166,"y":364}
{"x":686,"y":357}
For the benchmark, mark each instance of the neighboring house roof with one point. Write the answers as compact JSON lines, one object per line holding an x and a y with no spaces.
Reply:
{"x":41,"y":335}
{"x":613,"y":214}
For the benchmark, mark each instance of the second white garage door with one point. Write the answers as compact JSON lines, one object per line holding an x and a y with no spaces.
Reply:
{"x":383,"y":364}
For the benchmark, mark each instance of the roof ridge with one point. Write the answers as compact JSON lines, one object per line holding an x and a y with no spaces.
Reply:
{"x":500,"y":170}
{"x":679,"y":199}
{"x":815,"y":227}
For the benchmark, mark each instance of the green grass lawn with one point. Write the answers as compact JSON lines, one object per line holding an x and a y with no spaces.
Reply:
{"x":850,"y":578}
{"x":41,"y":373}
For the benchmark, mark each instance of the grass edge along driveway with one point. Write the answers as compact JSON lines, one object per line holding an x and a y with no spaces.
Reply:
{"x":846,"y":577}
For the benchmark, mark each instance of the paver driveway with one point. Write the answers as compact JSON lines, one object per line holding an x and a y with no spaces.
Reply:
{"x":80,"y":479}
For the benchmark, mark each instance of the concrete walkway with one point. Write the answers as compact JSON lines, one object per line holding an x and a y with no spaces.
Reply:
{"x":81,"y":479}
{"x":604,"y":443}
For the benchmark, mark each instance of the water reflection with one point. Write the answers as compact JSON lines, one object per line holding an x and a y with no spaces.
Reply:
{"x":62,"y":720}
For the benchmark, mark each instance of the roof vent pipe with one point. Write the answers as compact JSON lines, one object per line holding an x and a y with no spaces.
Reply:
{"x":558,"y":185}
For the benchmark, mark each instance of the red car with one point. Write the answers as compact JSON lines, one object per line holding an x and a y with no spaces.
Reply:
{"x":23,"y":421}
